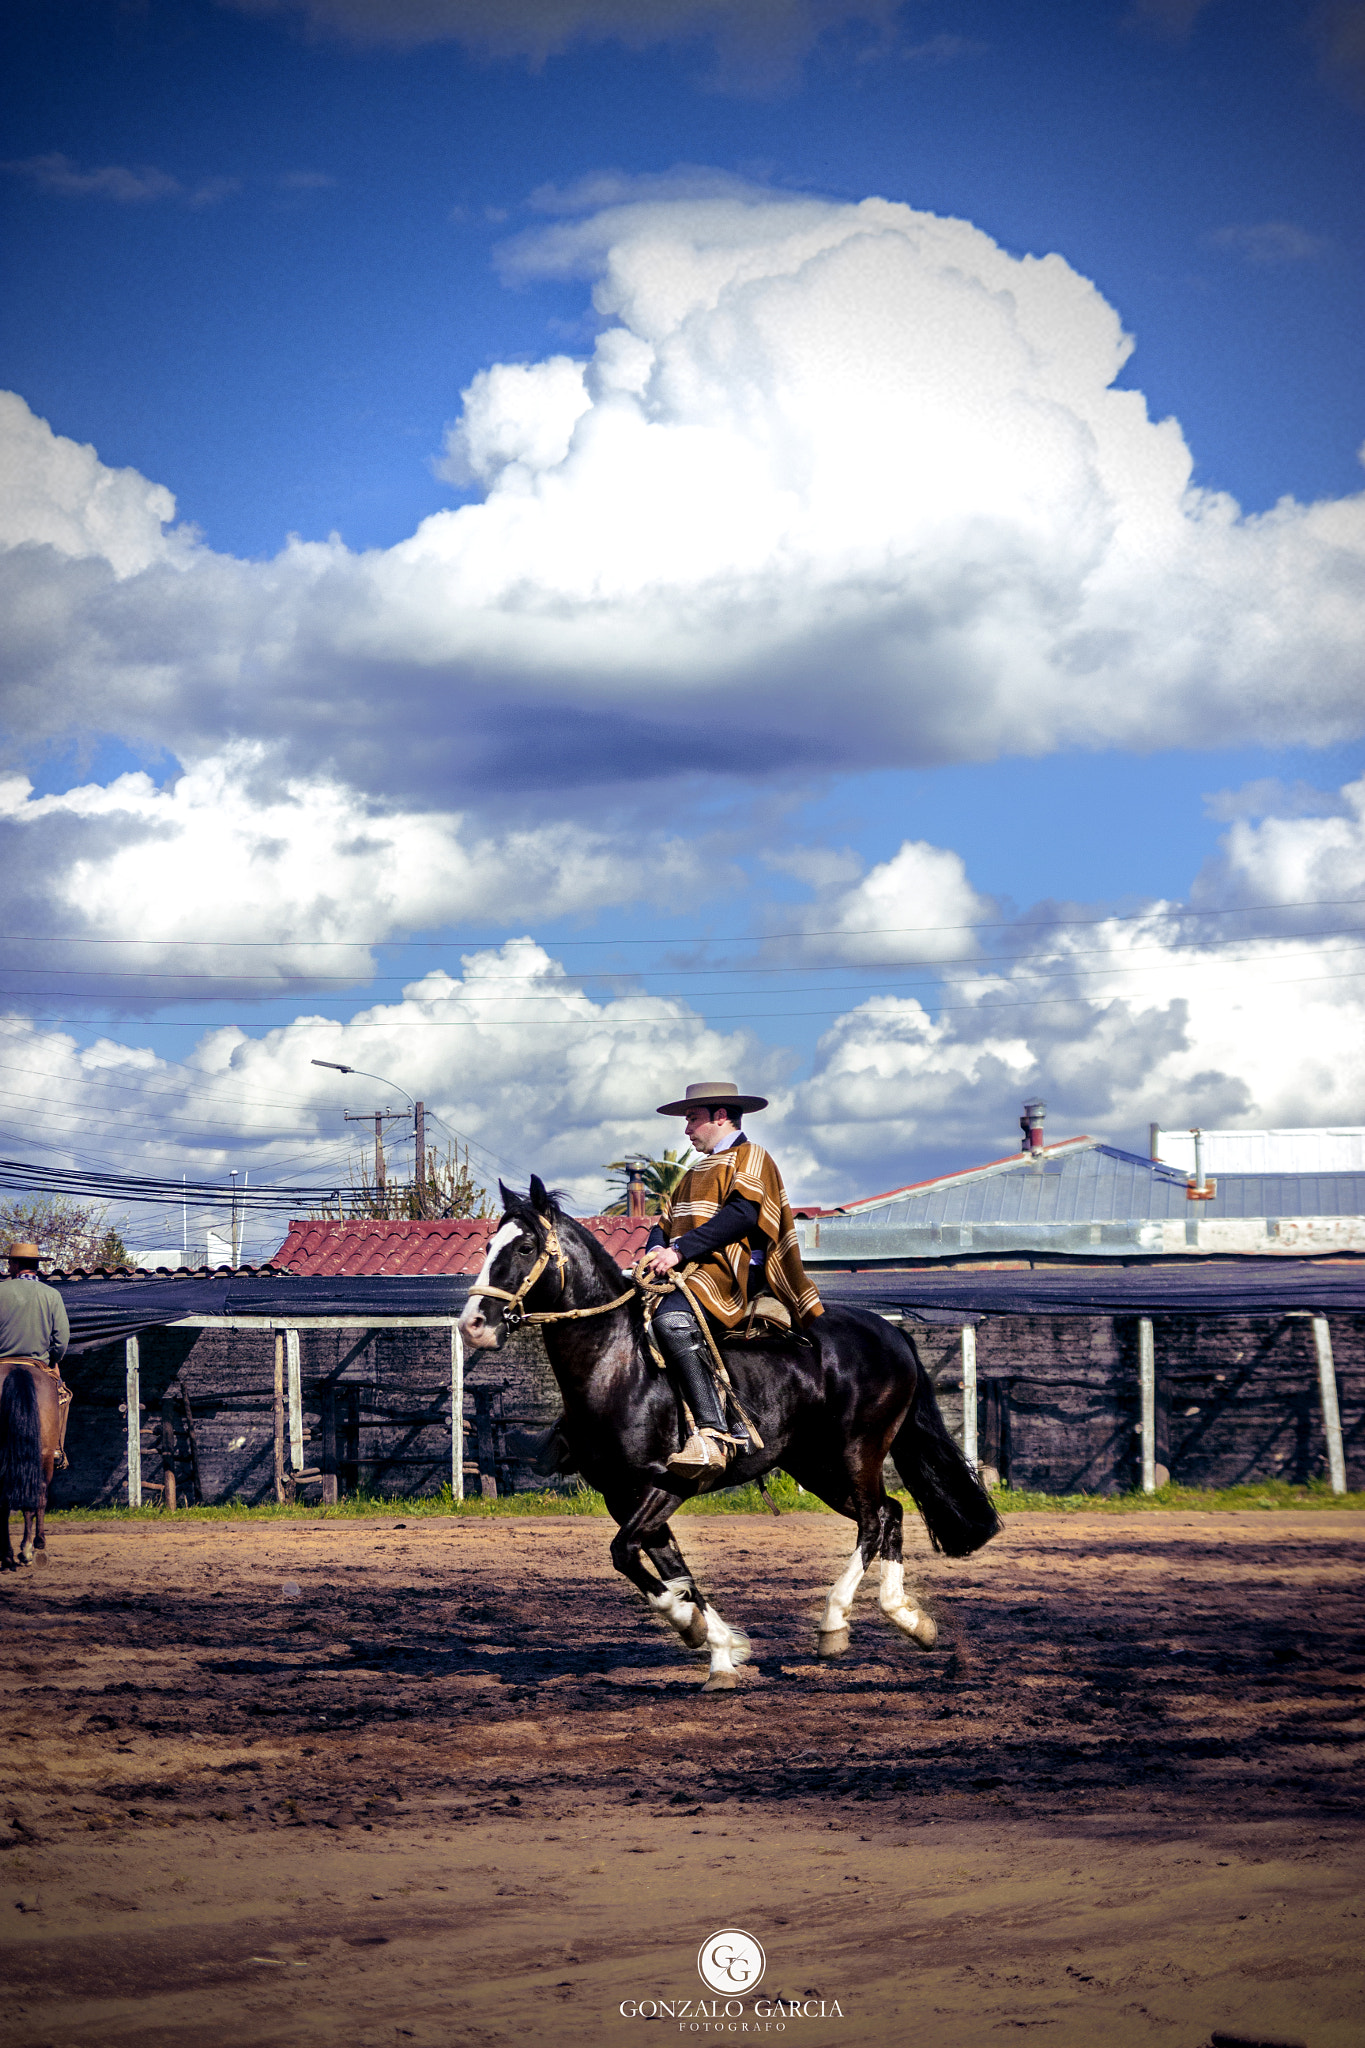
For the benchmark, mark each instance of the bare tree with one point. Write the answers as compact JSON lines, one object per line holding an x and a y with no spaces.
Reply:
{"x":448,"y":1189}
{"x":65,"y":1232}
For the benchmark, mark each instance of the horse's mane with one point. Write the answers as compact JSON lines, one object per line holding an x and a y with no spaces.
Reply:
{"x":524,"y":1210}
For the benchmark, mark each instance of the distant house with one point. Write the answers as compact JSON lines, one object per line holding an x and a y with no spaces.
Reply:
{"x":1081,"y":1198}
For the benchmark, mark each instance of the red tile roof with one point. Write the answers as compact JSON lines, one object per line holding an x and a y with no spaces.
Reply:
{"x":416,"y":1249}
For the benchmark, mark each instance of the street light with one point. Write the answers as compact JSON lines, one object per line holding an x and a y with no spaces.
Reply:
{"x":419,"y":1121}
{"x":337,"y":1067}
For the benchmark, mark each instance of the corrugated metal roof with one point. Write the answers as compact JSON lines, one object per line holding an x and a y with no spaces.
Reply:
{"x":1095,"y":1183}
{"x":1288,"y":1194}
{"x":1081,"y":1198}
{"x":942,"y":1180}
{"x":425,"y":1248}
{"x":1083,"y":1182}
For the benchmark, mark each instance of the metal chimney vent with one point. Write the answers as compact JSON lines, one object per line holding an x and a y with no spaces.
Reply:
{"x":1031,"y":1124}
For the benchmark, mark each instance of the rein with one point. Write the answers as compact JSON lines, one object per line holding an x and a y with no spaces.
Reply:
{"x":514,"y":1315}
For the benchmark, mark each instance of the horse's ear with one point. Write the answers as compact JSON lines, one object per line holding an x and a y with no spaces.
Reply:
{"x":540,"y":1200}
{"x":508,"y":1198}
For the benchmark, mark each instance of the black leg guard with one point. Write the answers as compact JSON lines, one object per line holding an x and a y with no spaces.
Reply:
{"x":689,"y":1361}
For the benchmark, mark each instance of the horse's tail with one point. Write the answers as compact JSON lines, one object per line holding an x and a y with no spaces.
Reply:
{"x":21,"y":1441}
{"x":956,"y":1508}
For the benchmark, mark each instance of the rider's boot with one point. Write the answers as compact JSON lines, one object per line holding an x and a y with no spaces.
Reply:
{"x":712,"y":1443}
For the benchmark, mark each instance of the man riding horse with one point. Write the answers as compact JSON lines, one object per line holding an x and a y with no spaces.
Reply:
{"x":33,"y":1325}
{"x":34,"y":1335}
{"x":730,"y":1226}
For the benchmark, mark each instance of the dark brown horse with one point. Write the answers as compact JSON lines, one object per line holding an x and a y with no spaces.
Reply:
{"x":29,"y":1427}
{"x":829,"y":1410}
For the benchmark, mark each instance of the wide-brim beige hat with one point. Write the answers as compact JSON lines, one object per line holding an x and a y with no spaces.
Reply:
{"x":24,"y":1251}
{"x":724,"y":1094}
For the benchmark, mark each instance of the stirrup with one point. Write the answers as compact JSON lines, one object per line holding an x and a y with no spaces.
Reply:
{"x":706,"y":1450}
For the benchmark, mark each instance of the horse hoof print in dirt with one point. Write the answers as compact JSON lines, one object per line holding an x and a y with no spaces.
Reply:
{"x":830,"y":1408}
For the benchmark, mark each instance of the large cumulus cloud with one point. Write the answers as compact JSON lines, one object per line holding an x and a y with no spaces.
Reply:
{"x":838,"y":484}
{"x":268,"y":884}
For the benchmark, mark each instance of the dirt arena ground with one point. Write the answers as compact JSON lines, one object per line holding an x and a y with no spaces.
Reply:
{"x":356,"y":1782}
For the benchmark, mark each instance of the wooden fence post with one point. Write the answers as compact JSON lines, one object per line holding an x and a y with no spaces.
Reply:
{"x":133,"y":1380}
{"x":456,"y":1412}
{"x":969,"y":1416}
{"x":1331,"y":1413}
{"x":291,"y":1355}
{"x":279,"y":1415}
{"x":1147,"y":1391}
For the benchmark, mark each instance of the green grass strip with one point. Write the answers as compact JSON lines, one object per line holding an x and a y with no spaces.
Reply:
{"x":1267,"y":1495}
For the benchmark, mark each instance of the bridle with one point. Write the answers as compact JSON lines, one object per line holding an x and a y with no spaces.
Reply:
{"x":514,"y":1315}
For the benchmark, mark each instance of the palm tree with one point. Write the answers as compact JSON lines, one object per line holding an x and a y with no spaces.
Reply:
{"x":659,"y":1176}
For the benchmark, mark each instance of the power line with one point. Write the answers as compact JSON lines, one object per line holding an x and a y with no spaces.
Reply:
{"x":601,"y":1019}
{"x":96,"y":1080}
{"x":990,"y":971}
{"x":20,"y":1174}
{"x":276,"y":990}
{"x":724,"y":939}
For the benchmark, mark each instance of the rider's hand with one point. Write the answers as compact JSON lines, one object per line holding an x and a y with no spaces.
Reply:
{"x":661,"y":1260}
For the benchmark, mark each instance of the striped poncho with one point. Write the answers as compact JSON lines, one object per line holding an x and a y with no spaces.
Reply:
{"x":720,"y":1279}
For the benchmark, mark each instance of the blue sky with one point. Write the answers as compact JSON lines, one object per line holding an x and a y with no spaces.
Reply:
{"x":254,"y":256}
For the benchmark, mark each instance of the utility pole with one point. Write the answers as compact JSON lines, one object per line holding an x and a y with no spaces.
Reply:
{"x":417,"y":1112}
{"x":380,"y":1175}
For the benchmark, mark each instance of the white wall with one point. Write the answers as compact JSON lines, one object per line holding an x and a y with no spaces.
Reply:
{"x":1306,"y":1151}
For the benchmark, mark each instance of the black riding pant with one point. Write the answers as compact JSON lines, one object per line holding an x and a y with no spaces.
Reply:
{"x":688,"y":1358}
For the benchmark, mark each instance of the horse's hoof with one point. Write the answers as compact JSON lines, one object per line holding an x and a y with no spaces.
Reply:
{"x":720,"y":1681}
{"x":832,"y":1642}
{"x":919,"y":1626}
{"x":694,"y":1635}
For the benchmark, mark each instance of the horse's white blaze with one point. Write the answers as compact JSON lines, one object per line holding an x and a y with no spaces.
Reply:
{"x":841,"y":1595}
{"x":472,"y":1313}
